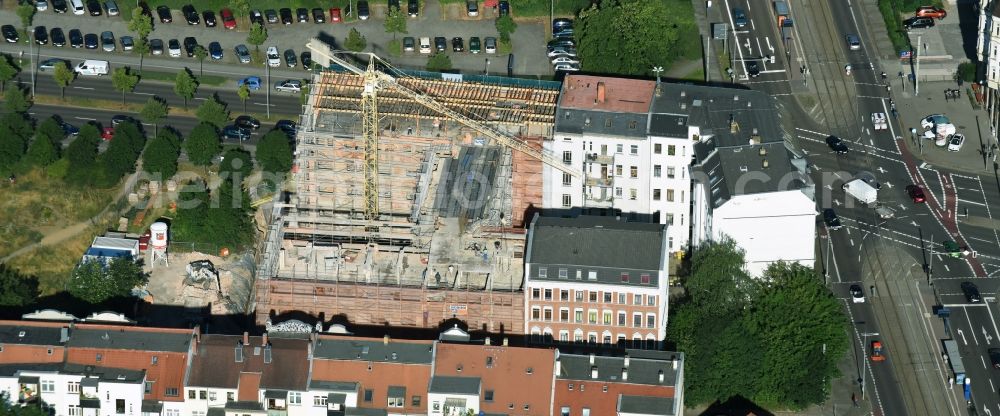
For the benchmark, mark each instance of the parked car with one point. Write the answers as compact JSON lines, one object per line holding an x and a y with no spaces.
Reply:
{"x":112,"y":8}
{"x":286,"y":15}
{"x":934,"y":120}
{"x":59,"y":6}
{"x":190,"y":15}
{"x":918,"y":23}
{"x":472,"y":8}
{"x":302,"y":14}
{"x":318,"y":15}
{"x":75,"y":38}
{"x":560,"y":51}
{"x":409,"y":44}
{"x":128,"y":43}
{"x":235,"y":133}
{"x":94,"y":8}
{"x":831,"y":219}
{"x":247,"y":122}
{"x":504,"y":7}
{"x":853,"y":42}
{"x":837,"y":145}
{"x":457,"y":44}
{"x":565,"y":60}
{"x":107,"y":134}
{"x":273,"y":60}
{"x":393,"y":4}
{"x":857,"y":294}
{"x":490,"y":43}
{"x":156,"y":46}
{"x":561,"y":41}
{"x":475,"y":46}
{"x":288,"y":85}
{"x":335,"y":15}
{"x":228,"y":21}
{"x":50,"y":64}
{"x":566,"y":32}
{"x":739,"y":17}
{"x":256,"y":17}
{"x":271,"y":15}
{"x":41,"y":5}
{"x":956,"y":142}
{"x":971,"y":292}
{"x":290,"y":58}
{"x":253,"y":83}
{"x":189,"y":44}
{"x":242,"y":53}
{"x":916,"y":193}
{"x":363,"y":12}
{"x":215,"y":50}
{"x":121,"y":118}
{"x":10,"y":33}
{"x":41,"y":35}
{"x":174,"y":48}
{"x":307,"y":60}
{"x":425,"y":45}
{"x":91,"y":41}
{"x":208,"y":17}
{"x":994,"y":357}
{"x":753,"y":68}
{"x":108,"y":41}
{"x":163,"y":12}
{"x":560,"y":23}
{"x":931,"y":12}
{"x":440,"y":44}
{"x":57,"y":36}
{"x":413,"y":8}
{"x":68,"y":129}
{"x":566,"y":67}
{"x":286,"y":126}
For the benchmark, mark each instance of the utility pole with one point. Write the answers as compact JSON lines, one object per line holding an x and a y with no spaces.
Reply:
{"x":826,"y":268}
{"x":916,"y":69}
{"x":267,"y":90}
{"x":31,"y":60}
{"x":708,"y":60}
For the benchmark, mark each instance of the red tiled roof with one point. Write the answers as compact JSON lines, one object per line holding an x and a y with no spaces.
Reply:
{"x":518,"y":376}
{"x":249,"y":387}
{"x":587,"y":92}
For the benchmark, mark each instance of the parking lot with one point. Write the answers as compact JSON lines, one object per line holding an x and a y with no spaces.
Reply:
{"x":528,"y":40}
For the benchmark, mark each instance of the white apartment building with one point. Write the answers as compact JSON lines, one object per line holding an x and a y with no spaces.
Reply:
{"x":988,"y":55}
{"x":634,"y":164}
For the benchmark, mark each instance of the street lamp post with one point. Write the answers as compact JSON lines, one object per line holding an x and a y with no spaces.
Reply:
{"x":31,"y":60}
{"x":916,"y":69}
{"x":864,"y":359}
{"x":487,"y":67}
{"x":913,"y":136}
{"x":267,"y":90}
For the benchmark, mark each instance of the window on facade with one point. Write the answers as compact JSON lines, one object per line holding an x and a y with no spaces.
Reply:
{"x":567,"y":179}
{"x":548,"y":292}
{"x":73,"y":387}
{"x":154,"y":360}
{"x":565,"y":409}
{"x":650,"y":300}
{"x":671,"y":150}
{"x":632,"y":194}
{"x":578,"y":314}
{"x":637,"y":299}
{"x":488,"y":396}
{"x":564,"y":315}
{"x":203,"y":394}
{"x":591,"y":275}
{"x":670,"y":195}
{"x":607,"y":297}
{"x":548,"y":314}
{"x":567,"y":157}
{"x":618,"y":192}
{"x":579,"y":295}
{"x":592,"y":338}
{"x":564,"y":336}
{"x":99,"y":357}
{"x":230,"y":396}
{"x":618,"y":170}
{"x":621,"y":298}
{"x":608,"y":122}
{"x":212,"y":396}
{"x":637,"y":320}
{"x":147,"y":387}
{"x":619,"y":147}
{"x":199,"y":413}
{"x":563,"y":295}
{"x":542,"y":272}
{"x":172,"y":412}
{"x":294,"y":398}
{"x":624,"y":277}
{"x":633,"y":171}
{"x":607,"y":317}
{"x":396,"y":402}
{"x":369,"y":394}
{"x":171,"y":392}
{"x":415,"y":401}
{"x":593,"y":296}
{"x":633,"y":149}
{"x":607,"y":339}
{"x":621,"y":318}
{"x":536,"y":293}
{"x":644,"y":278}
{"x":656,"y":171}
{"x":48,"y":386}
{"x":657,"y":148}
{"x":119,"y":405}
{"x":319,"y":400}
{"x":670,"y":219}
{"x":567,"y":200}
{"x":592,"y":317}
{"x":74,"y":410}
{"x":656,"y":194}
{"x":192,"y":394}
{"x":536,"y":314}
{"x":650,"y":321}
{"x":670,"y":172}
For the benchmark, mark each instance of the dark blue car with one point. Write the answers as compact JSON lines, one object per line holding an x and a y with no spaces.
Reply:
{"x":215,"y":50}
{"x":251,"y":82}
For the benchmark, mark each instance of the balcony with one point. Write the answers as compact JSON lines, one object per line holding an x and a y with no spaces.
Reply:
{"x":600,"y":159}
{"x":598,"y":201}
{"x":599,"y":181}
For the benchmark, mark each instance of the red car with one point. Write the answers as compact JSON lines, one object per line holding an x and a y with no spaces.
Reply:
{"x":932,"y":12}
{"x":227,"y":18}
{"x":334,"y":15}
{"x":108,"y":133}
{"x":916,"y":193}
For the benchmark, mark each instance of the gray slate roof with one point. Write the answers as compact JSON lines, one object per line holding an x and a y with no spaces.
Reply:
{"x":9,"y":370}
{"x":455,"y":385}
{"x":378,"y":351}
{"x":712,"y":109}
{"x":574,"y":121}
{"x":129,"y":340}
{"x":739,"y":170}
{"x":594,"y":243}
{"x":644,"y":367}
{"x":646,"y":405}
{"x":33,"y":335}
{"x":244,"y":405}
{"x":333,"y":385}
{"x":364,"y":411}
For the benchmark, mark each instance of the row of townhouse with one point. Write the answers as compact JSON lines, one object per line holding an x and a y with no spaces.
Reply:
{"x":84,"y":369}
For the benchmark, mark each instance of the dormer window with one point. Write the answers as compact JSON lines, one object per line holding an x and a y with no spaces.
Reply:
{"x":624,"y":277}
{"x":644,"y":278}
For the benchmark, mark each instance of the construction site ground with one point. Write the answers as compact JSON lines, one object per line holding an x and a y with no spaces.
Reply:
{"x":169,"y":284}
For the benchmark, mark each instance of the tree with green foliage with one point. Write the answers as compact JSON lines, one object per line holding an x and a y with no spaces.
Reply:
{"x":200,"y":53}
{"x":355,"y":41}
{"x":439,"y":62}
{"x":95,"y":282}
{"x":203,"y":144}
{"x":82,"y":151}
{"x":141,"y":23}
{"x":626,"y":37}
{"x":154,"y":112}
{"x":219,"y":217}
{"x":26,"y":11}
{"x":122,"y":152}
{"x":44,"y":149}
{"x":16,"y":290}
{"x":395,"y":22}
{"x":15,"y":132}
{"x":124,"y":80}
{"x":213,"y":111}
{"x":63,"y":76}
{"x":505,"y":27}
{"x":257,"y":35}
{"x":160,"y":157}
{"x":774,"y":340}
{"x":240,"y":7}
{"x":16,"y":100}
{"x":7,"y":71}
{"x":274,"y":153}
{"x":10,"y":407}
{"x":185,"y":86}
{"x":244,"y":93}
{"x":142,"y":48}
{"x":236,"y":162}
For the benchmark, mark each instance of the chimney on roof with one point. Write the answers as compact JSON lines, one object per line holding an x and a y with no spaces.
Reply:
{"x":505,"y":341}
{"x":486,"y":341}
{"x":558,"y":368}
{"x":63,"y":335}
{"x":591,"y":359}
{"x":674,"y":361}
{"x":624,"y":374}
{"x":600,"y":93}
{"x":764,"y":164}
{"x":593,"y":372}
{"x":246,"y":338}
{"x":385,"y":339}
{"x":626,"y":360}
{"x":263,"y":340}
{"x":660,"y":373}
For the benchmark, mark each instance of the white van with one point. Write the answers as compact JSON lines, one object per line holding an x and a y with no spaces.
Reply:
{"x":92,"y":67}
{"x":77,"y":6}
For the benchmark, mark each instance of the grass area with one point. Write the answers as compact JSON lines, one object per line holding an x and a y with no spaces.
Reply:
{"x":170,"y":77}
{"x":37,"y":203}
{"x":696,"y":75}
{"x":538,"y":8}
{"x":689,"y":40}
{"x":53,"y":264}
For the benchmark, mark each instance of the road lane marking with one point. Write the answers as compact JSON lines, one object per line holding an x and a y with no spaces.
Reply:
{"x":85,"y":88}
{"x":143,"y":93}
{"x":85,"y":118}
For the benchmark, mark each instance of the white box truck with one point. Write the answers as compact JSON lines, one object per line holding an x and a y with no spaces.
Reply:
{"x":862,"y":191}
{"x":92,"y":67}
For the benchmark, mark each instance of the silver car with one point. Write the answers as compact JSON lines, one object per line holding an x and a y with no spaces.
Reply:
{"x":242,"y":53}
{"x":289,"y":85}
{"x":111,"y":7}
{"x":108,"y":41}
{"x":127,"y":43}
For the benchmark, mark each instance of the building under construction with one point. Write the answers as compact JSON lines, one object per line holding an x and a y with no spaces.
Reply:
{"x":448,"y":238}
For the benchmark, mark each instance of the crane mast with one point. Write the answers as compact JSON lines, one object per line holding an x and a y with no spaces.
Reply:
{"x":370,"y":131}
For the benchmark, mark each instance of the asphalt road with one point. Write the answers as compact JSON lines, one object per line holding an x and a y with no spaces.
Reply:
{"x":757,"y":42}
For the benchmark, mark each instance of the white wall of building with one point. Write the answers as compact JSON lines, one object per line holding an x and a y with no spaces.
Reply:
{"x":110,"y":392}
{"x":435,"y":403}
{"x":214,"y":397}
{"x":769,"y":226}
